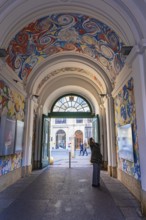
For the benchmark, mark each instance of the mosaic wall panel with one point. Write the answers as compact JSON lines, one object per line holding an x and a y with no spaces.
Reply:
{"x":11,"y":102}
{"x":12,"y":105}
{"x":125,"y":113}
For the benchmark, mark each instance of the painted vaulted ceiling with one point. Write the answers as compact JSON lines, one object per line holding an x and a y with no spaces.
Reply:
{"x":59,"y":33}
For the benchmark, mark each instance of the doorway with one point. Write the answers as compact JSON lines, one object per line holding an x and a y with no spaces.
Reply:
{"x":78,"y":139}
{"x":70,"y":122}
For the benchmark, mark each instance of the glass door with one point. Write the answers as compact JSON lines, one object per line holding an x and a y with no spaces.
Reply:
{"x":45,"y":149}
{"x":95,"y":129}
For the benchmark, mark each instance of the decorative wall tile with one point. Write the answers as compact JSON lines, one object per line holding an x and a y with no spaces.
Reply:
{"x":11,"y":102}
{"x":124,"y":114}
{"x":12,"y":105}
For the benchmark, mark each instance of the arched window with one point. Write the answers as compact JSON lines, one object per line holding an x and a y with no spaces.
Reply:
{"x":71,"y":103}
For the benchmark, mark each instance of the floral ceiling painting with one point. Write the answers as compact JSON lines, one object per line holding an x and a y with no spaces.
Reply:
{"x":58,"y":33}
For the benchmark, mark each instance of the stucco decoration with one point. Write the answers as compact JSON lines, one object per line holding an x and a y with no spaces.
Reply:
{"x":124,"y":114}
{"x":69,"y":69}
{"x":58,"y":33}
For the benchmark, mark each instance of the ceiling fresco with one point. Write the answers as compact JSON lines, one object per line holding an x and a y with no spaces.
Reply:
{"x":57,"y":33}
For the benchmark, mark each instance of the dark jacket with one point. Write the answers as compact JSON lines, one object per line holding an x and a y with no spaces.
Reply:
{"x":96,"y":156}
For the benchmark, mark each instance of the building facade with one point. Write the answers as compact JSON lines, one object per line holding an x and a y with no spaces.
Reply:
{"x":65,"y":131}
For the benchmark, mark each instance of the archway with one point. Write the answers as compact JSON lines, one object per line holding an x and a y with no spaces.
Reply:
{"x":51,"y":77}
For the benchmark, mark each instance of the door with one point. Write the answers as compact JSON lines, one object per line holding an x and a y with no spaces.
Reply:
{"x":78,"y":139}
{"x":45,"y":146}
{"x":96,"y":129}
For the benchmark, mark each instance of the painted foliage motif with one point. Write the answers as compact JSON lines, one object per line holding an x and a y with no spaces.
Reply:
{"x":124,"y":114}
{"x":10,"y":163}
{"x":65,"y":32}
{"x":12,"y":105}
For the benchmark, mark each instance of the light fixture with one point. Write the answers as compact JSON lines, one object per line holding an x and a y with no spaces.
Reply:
{"x":102,"y":95}
{"x":35,"y":96}
{"x":17,"y":81}
{"x":125,"y":50}
{"x":71,"y":98}
{"x":3,"y":52}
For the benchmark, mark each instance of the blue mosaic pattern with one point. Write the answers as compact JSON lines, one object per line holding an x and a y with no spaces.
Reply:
{"x":125,"y":113}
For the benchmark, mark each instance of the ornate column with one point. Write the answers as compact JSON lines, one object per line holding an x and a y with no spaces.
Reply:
{"x":111,"y":147}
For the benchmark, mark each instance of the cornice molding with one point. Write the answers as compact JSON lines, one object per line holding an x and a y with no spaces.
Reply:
{"x":10,"y":77}
{"x":126,"y":72}
{"x":137,"y":49}
{"x":121,"y":79}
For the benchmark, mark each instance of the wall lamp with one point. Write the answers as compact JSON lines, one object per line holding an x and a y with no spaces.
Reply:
{"x":3,"y":52}
{"x":102,"y":95}
{"x":35,"y":96}
{"x":17,"y":81}
{"x":125,"y":50}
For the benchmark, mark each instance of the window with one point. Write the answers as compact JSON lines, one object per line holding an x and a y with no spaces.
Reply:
{"x":79,"y":120}
{"x":88,"y":132}
{"x":60,"y":121}
{"x":71,"y":103}
{"x":89,"y":120}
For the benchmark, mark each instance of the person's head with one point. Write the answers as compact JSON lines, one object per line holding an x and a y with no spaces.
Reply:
{"x":91,"y":141}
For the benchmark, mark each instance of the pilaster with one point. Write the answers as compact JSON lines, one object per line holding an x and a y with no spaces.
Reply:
{"x":143,"y":202}
{"x":139,"y":76}
{"x":111,"y":136}
{"x":103,"y":136}
{"x":28,"y":132}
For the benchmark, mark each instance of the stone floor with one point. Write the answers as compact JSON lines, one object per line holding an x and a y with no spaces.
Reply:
{"x":63,"y":193}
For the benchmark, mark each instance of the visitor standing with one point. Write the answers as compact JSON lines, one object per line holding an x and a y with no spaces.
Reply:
{"x":96,"y":160}
{"x":81,"y":149}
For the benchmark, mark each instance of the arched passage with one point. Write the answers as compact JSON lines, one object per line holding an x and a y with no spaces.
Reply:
{"x":57,"y":78}
{"x":88,"y":70}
